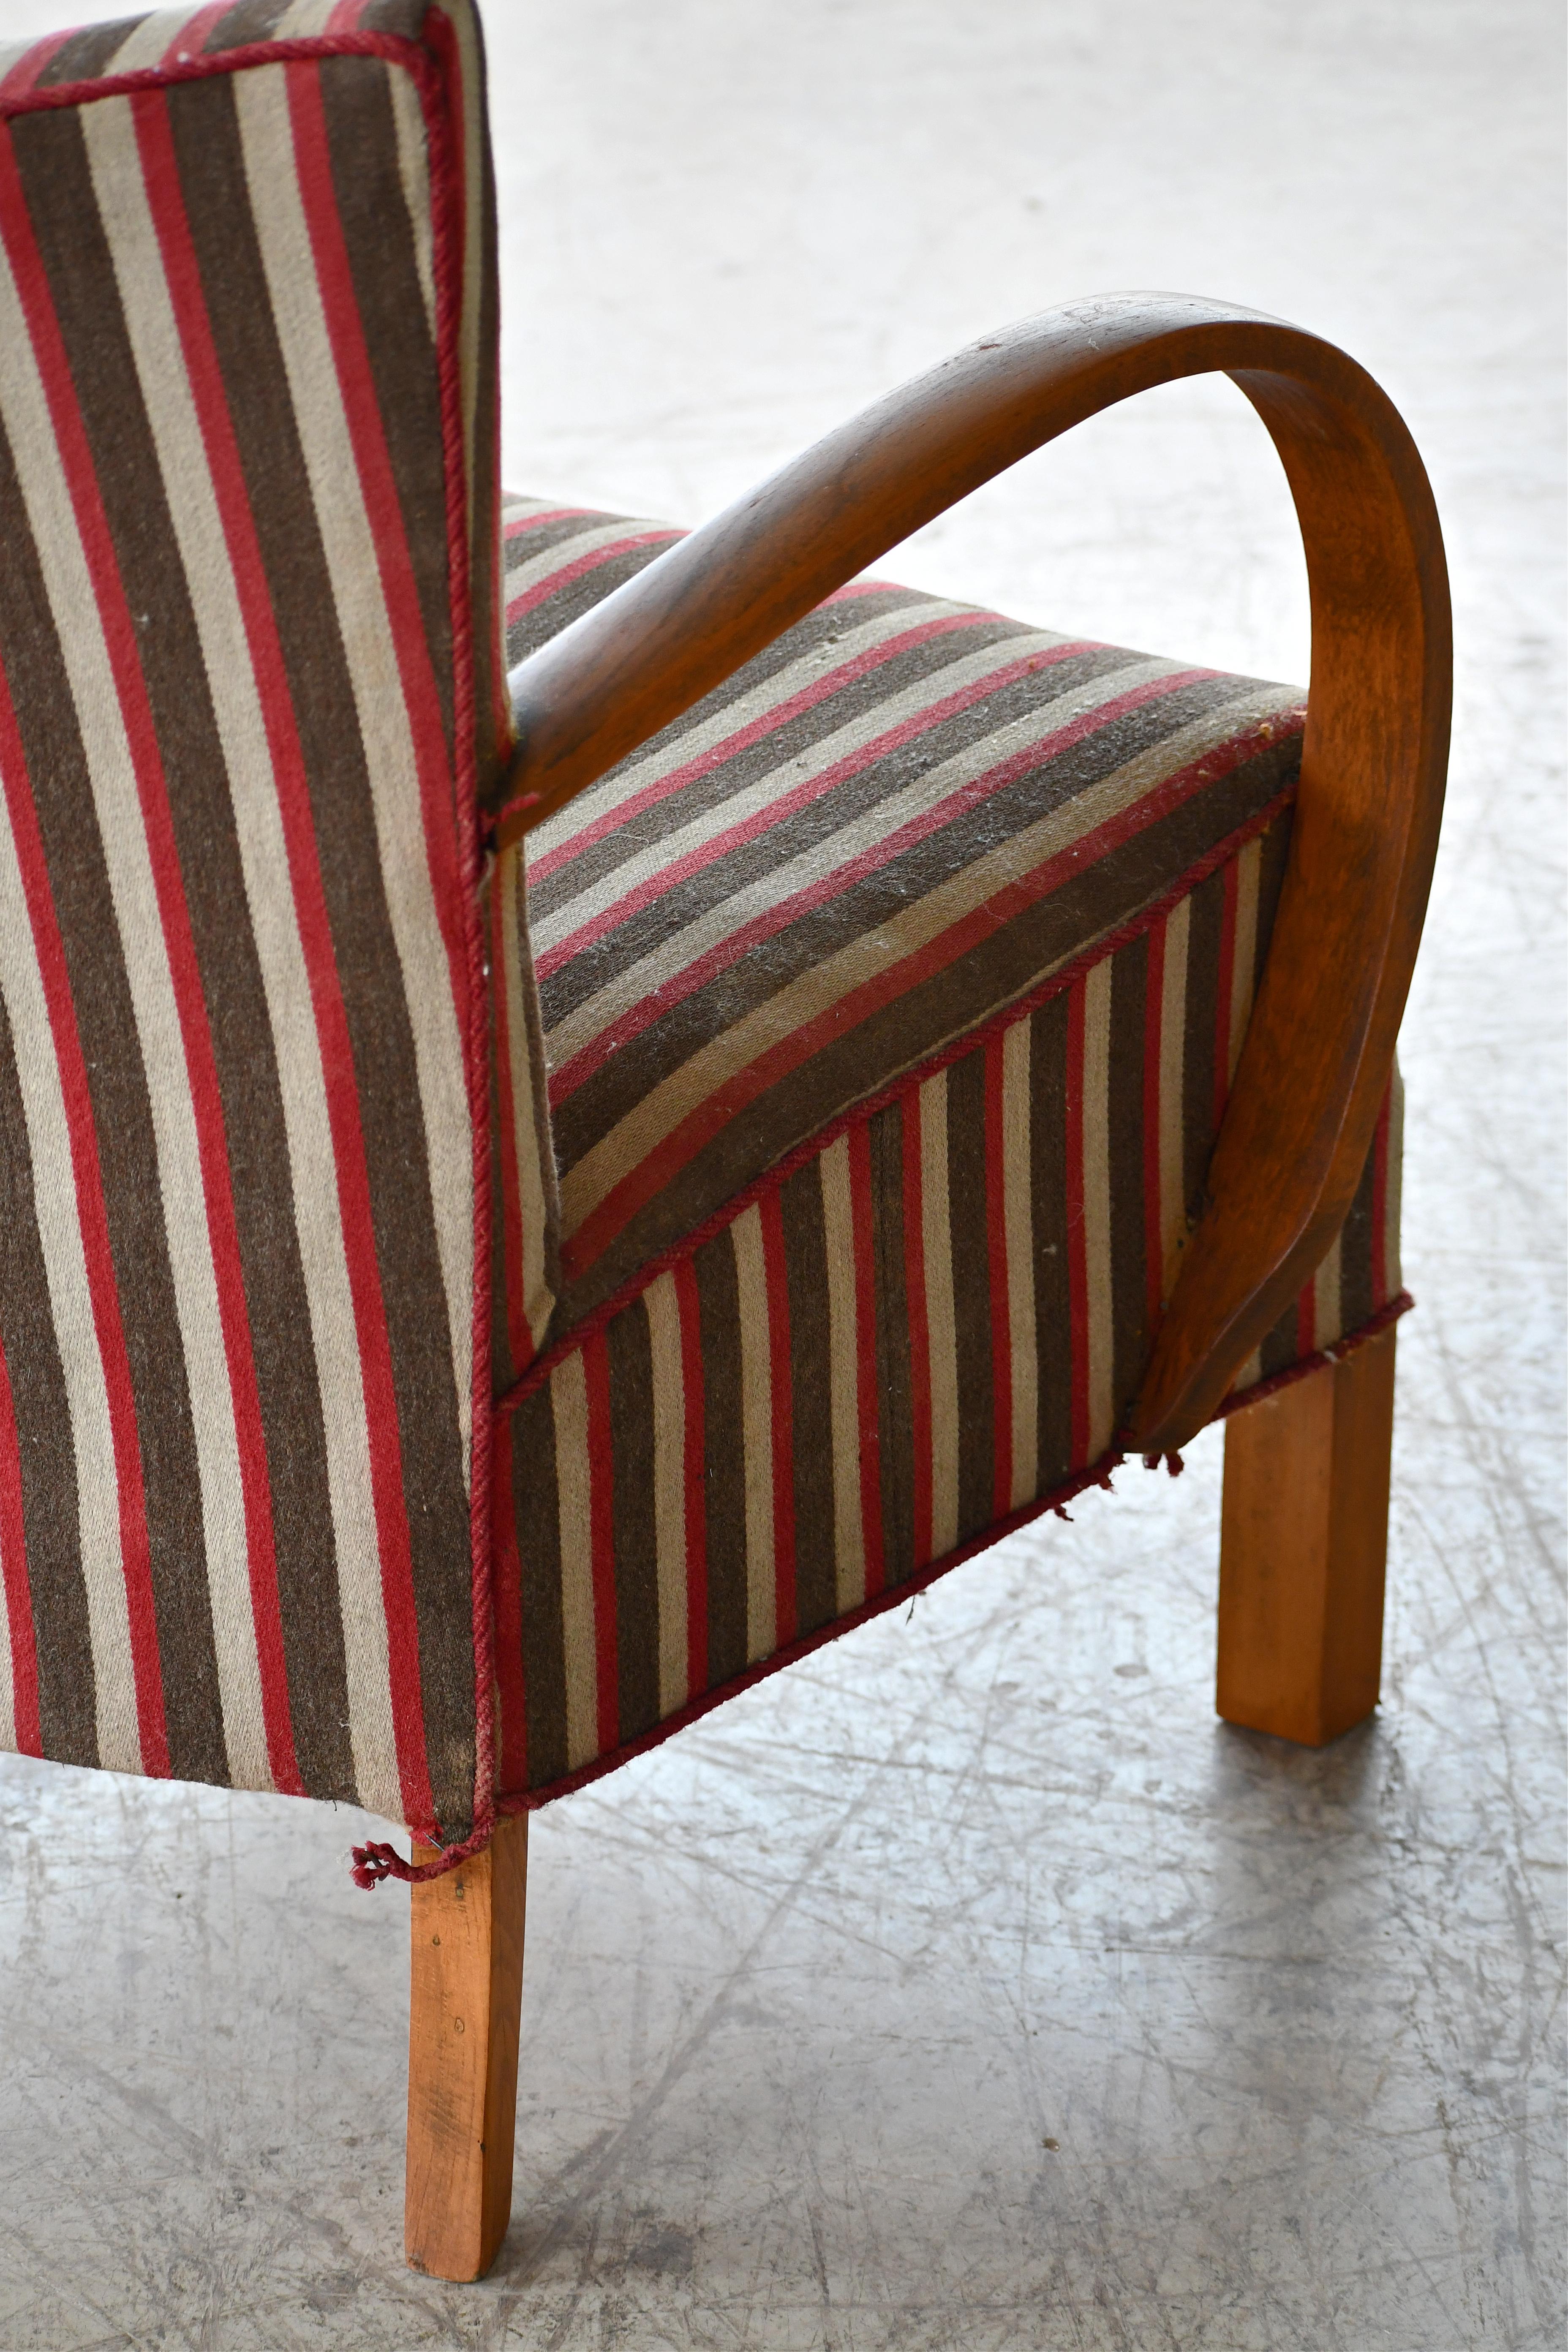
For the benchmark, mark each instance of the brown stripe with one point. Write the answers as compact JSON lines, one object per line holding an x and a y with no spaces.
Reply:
{"x":1206,"y":920}
{"x":85,"y":54}
{"x":895,"y":1408}
{"x":1128,"y":1275}
{"x":718,"y":1326}
{"x":630,"y":1355}
{"x":1053,"y":1302}
{"x":238,"y":306}
{"x":971,"y":1291}
{"x":806,"y":1271}
{"x":1356,"y":1299}
{"x":66,"y":1711}
{"x":532,"y":1436}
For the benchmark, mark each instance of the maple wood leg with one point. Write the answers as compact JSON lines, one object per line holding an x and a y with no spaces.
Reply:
{"x":1303,"y":1534}
{"x":464,"y":1996}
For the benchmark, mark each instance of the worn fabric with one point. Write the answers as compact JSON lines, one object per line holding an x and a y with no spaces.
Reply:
{"x":250,"y":688}
{"x":892,"y":999}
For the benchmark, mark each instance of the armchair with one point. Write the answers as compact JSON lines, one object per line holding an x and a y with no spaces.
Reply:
{"x":529,"y":1200}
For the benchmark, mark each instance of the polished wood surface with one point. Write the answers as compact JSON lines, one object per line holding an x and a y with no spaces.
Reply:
{"x":465,"y":1997}
{"x":1317,"y":1051}
{"x":1303,"y":1537}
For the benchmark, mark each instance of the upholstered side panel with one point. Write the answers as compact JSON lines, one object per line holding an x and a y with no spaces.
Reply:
{"x":248,"y":692}
{"x":892,"y":1346}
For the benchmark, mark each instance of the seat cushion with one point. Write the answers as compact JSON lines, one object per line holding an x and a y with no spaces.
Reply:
{"x":890,"y":1000}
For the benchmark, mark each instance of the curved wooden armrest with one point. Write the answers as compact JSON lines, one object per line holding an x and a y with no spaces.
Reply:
{"x":1320,"y":1044}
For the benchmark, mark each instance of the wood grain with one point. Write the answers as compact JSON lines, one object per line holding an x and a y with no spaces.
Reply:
{"x":1303,"y":1538}
{"x":1311,"y":1075}
{"x":464,"y":1996}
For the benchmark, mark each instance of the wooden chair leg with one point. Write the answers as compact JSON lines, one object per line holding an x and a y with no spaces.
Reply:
{"x":1304,"y":1532}
{"x":465,"y":1997}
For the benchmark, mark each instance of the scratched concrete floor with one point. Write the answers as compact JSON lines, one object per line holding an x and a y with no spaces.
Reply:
{"x":969,"y":1986}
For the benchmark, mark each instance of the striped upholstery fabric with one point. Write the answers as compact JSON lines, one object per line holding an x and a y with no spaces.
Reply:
{"x":249,"y":693}
{"x":891,"y":1001}
{"x":441,"y":1291}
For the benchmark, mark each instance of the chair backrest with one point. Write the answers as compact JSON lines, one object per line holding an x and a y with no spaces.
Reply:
{"x":251,"y":705}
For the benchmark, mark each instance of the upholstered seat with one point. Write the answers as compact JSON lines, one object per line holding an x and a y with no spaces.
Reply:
{"x":890,"y":1001}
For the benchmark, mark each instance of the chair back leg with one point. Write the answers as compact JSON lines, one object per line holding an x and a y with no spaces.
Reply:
{"x":1303,"y":1538}
{"x":465,"y":1998}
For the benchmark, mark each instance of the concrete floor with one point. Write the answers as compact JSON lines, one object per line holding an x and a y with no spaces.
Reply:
{"x":887,"y":2009}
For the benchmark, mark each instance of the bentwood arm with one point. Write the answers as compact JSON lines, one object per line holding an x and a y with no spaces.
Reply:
{"x":1321,"y":1042}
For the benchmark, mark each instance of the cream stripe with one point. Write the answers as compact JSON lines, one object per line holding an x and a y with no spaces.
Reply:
{"x":1172,"y":1082}
{"x":649,"y":860}
{"x":146,"y":43}
{"x":128,"y":861}
{"x":76,"y":1332}
{"x":757,"y":1428}
{"x":303,"y":20}
{"x":941,"y":1327}
{"x":1328,"y":1297}
{"x":414,"y":172}
{"x":669,"y":1487}
{"x":678,"y":946}
{"x":296,"y":1044}
{"x":838,"y":1225}
{"x":337,"y":492}
{"x":1018,"y":1223}
{"x":1249,"y":866}
{"x":1392,"y":1272}
{"x":569,"y":1403}
{"x":538,"y":1299}
{"x":1101,"y":1366}
{"x":663,"y":1107}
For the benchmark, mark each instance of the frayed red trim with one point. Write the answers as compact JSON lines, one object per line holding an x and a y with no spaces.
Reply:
{"x":376,"y":1862}
{"x":857,"y":1116}
{"x":1320,"y":1359}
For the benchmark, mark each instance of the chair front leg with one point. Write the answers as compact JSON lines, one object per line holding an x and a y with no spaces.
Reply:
{"x":465,"y":1998}
{"x":1303,"y":1538}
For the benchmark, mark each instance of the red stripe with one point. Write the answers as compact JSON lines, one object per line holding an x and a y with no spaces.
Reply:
{"x":191,"y":39}
{"x":755,"y":731}
{"x":13,"y":1575}
{"x":184,"y":973}
{"x":911,"y":1115}
{"x":1224,"y":986}
{"x":694,"y":1477}
{"x":865,"y":1355}
{"x":1076,"y":1238}
{"x":507,"y":1589}
{"x":1154,"y":1220}
{"x":997,"y":1270}
{"x":519,"y":1338}
{"x":781,"y":1380}
{"x":545,"y":589}
{"x":1380,"y":1198}
{"x":535,"y":522}
{"x":602,"y":1536}
{"x":24,"y":73}
{"x":92,"y":1220}
{"x":655,"y":1168}
{"x":1307,"y":1318}
{"x":314,"y":932}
